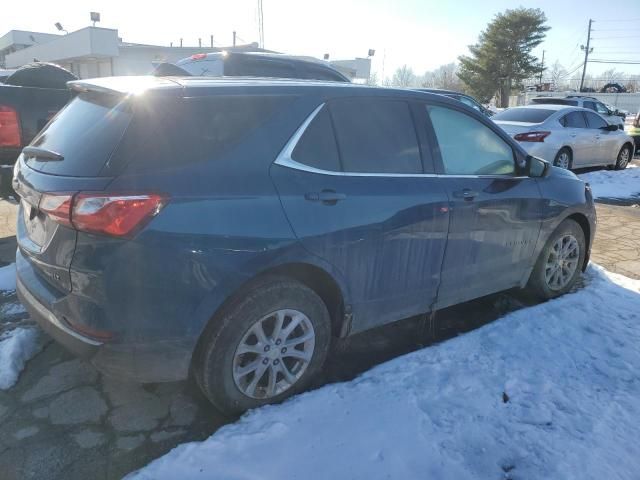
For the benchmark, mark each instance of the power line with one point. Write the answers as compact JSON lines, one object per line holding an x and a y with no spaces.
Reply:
{"x":621,"y":20}
{"x":621,"y":36}
{"x":631,"y":62}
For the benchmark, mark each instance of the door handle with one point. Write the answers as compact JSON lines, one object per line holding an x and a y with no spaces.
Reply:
{"x":573,"y":135}
{"x":465,"y":193}
{"x":327,"y":197}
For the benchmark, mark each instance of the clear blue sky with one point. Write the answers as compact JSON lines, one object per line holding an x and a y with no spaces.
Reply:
{"x":421,"y":33}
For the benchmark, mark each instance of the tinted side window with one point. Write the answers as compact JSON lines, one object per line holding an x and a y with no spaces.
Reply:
{"x":595,"y":121}
{"x":590,"y":105}
{"x":468,"y":147}
{"x":313,"y":72}
{"x":376,"y":136}
{"x":256,"y":67}
{"x":601,"y":109}
{"x":574,"y":120}
{"x":178,"y":132}
{"x":469,"y":102}
{"x":317,"y":147}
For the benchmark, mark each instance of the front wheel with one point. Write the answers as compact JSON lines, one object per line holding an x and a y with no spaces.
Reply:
{"x":623,"y":158}
{"x":265,"y":347}
{"x":560,"y":263}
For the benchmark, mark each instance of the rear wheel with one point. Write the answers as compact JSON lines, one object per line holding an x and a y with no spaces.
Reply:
{"x":563,"y":159}
{"x":624,"y":156}
{"x":265,"y":347}
{"x":560,"y":263}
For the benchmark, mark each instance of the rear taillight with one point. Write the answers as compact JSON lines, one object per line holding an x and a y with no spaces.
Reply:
{"x":9,"y":127}
{"x":531,"y":136}
{"x":58,"y":207}
{"x":199,"y":56}
{"x":116,"y":215}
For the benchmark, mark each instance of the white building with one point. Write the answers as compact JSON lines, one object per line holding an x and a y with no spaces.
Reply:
{"x":93,"y":52}
{"x":100,"y":52}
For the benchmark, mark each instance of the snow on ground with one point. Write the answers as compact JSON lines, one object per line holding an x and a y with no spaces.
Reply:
{"x":8,"y":277}
{"x":569,"y":369}
{"x":614,"y":183}
{"x":17,"y":346}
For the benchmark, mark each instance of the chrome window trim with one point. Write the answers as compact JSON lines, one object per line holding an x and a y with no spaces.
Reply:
{"x":284,"y":160}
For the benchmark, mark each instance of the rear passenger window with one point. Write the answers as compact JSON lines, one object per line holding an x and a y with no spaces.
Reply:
{"x":574,"y":120}
{"x":376,"y":136}
{"x":317,"y":146}
{"x":590,"y":105}
{"x":177,"y":132}
{"x":468,"y":147}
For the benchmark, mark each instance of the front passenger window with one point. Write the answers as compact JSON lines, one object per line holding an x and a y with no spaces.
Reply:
{"x":468,"y":147}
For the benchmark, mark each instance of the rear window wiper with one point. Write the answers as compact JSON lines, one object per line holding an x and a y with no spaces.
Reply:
{"x":42,"y":154}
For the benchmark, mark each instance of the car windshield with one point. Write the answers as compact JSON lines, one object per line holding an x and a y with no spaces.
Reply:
{"x":524,"y":115}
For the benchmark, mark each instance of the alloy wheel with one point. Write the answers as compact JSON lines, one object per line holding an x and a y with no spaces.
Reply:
{"x":273,"y":354}
{"x":562,"y":262}
{"x":624,"y":158}
{"x":563,"y":160}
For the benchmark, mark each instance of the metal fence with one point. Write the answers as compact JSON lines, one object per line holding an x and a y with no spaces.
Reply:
{"x":624,"y":101}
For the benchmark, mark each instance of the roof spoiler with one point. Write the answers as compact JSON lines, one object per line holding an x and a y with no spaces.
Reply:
{"x":126,"y":85}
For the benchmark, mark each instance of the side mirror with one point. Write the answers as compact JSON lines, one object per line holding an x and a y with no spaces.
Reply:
{"x":537,"y":167}
{"x":610,"y":128}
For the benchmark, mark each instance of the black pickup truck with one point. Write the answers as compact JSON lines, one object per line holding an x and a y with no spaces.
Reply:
{"x":30,"y":97}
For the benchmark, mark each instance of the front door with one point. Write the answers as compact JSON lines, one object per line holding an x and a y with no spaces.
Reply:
{"x":352,"y":185}
{"x":495,"y":213}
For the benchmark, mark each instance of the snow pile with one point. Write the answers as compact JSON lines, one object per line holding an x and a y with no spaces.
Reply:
{"x":16,"y":348}
{"x":614,"y":183}
{"x":8,"y":277}
{"x":549,"y":391}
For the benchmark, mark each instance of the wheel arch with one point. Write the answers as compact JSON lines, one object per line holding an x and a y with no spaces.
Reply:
{"x":313,"y":276}
{"x":582,"y":220}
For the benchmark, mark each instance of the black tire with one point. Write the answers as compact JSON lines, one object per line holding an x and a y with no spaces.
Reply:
{"x":537,"y":284}
{"x":41,"y":75}
{"x":621,"y":163}
{"x":567,"y":151}
{"x":214,"y":360}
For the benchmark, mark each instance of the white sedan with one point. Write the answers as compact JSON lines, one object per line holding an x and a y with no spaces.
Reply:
{"x":567,"y":137}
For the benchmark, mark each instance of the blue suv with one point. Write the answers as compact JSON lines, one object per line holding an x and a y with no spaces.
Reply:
{"x":233,"y":228}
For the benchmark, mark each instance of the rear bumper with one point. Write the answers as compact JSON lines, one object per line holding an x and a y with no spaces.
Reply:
{"x":142,"y":362}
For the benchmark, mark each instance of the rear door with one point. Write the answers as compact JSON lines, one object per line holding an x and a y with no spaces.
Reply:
{"x":354,"y":188}
{"x":495,"y":212}
{"x":605,"y":141}
{"x":583,"y":142}
{"x":68,"y":156}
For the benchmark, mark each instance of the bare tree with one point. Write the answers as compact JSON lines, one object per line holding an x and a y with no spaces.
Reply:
{"x":557,"y":74}
{"x":403,"y":77}
{"x":611,"y":76}
{"x":373,"y":79}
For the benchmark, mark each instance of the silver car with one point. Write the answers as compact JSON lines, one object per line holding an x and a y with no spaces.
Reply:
{"x":568,"y":137}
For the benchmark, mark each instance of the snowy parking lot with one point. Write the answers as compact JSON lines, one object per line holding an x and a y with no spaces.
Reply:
{"x":550,"y":391}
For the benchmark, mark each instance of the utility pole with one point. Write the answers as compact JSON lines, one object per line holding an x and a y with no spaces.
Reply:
{"x":541,"y":68}
{"x":587,"y":51}
{"x":234,"y":38}
{"x":261,"y":23}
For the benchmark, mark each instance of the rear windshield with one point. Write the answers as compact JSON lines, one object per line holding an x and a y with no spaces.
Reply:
{"x":527,"y":115}
{"x":554,"y":101}
{"x":85,"y":133}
